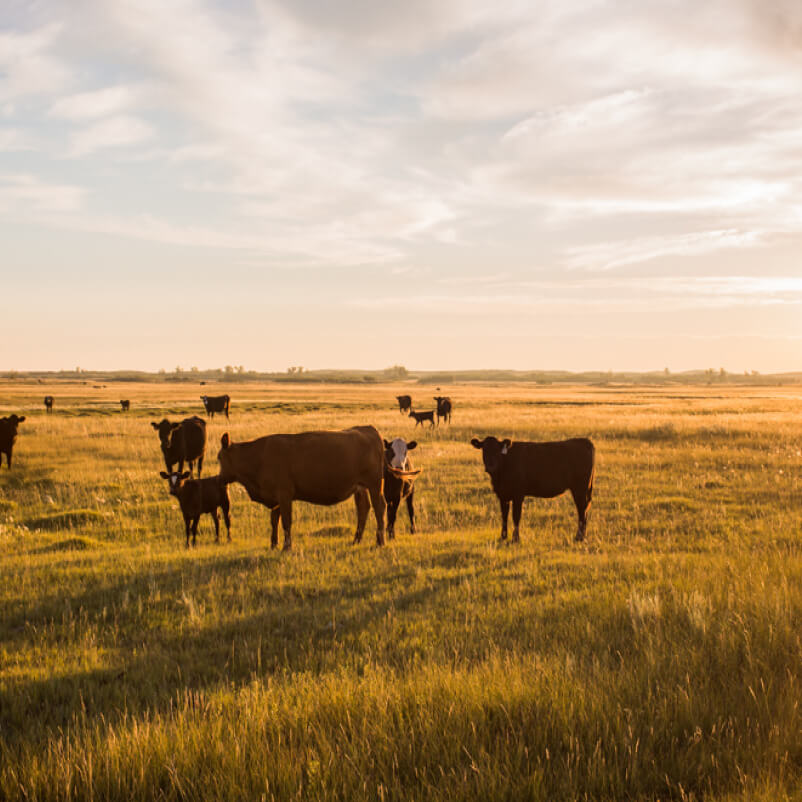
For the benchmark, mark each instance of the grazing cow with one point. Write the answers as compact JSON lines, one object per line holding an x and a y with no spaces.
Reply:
{"x":182,"y":442}
{"x":542,"y":470}
{"x":443,"y":408}
{"x":404,"y":403}
{"x":399,"y":481}
{"x":215,"y":403}
{"x":126,"y":405}
{"x":8,"y":436}
{"x":49,"y":403}
{"x":317,"y":467}
{"x":199,"y":496}
{"x":422,"y":416}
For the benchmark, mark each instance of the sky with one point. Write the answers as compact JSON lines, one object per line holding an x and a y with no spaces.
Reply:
{"x":550,"y":184}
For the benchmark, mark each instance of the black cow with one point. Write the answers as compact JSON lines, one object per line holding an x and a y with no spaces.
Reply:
{"x":398,"y":486}
{"x":49,"y":403}
{"x":404,"y":403}
{"x":182,"y":442}
{"x":542,"y":470}
{"x":126,"y":405}
{"x":443,"y":408}
{"x":422,"y":416}
{"x":8,"y":436}
{"x":199,"y":496}
{"x":215,"y":403}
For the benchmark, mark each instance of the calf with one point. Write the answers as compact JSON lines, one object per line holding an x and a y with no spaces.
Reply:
{"x":199,"y":496}
{"x":404,"y":403}
{"x":182,"y":442}
{"x":8,"y":436}
{"x":49,"y":403}
{"x":422,"y":416}
{"x":399,"y":481}
{"x":443,"y":408}
{"x":542,"y":470}
{"x":126,"y":405}
{"x":215,"y":403}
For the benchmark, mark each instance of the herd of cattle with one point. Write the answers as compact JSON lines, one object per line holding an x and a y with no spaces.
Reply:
{"x":328,"y":467}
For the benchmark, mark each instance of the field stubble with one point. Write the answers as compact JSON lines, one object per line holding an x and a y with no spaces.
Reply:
{"x":661,"y":659}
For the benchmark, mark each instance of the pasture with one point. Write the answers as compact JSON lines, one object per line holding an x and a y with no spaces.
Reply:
{"x":659,"y":659}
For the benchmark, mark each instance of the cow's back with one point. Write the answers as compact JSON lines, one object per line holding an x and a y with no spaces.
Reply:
{"x":546,"y":469}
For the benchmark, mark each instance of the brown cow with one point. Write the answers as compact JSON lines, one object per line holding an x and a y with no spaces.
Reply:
{"x":215,"y":403}
{"x":542,"y":470}
{"x":49,"y":403}
{"x":404,"y":402}
{"x":125,"y":404}
{"x":182,"y":442}
{"x":8,"y":436}
{"x":399,"y":482}
{"x":420,"y":417}
{"x":444,"y":407}
{"x":317,"y":467}
{"x":199,"y":496}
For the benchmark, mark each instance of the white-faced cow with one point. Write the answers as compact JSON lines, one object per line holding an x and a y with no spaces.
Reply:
{"x":316,"y":467}
{"x":215,"y":403}
{"x":443,"y":408}
{"x":404,"y":403}
{"x":8,"y":436}
{"x":399,"y":478}
{"x":420,"y":417}
{"x":125,"y":404}
{"x":182,"y":442}
{"x":543,"y":470}
{"x":199,"y":496}
{"x":49,"y":403}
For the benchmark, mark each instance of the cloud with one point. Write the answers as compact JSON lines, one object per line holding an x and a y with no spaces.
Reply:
{"x":27,"y":65}
{"x":114,"y":132}
{"x":21,"y":194}
{"x":98,"y":103}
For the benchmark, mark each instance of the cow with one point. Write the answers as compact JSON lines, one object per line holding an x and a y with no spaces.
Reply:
{"x":543,"y":470}
{"x":215,"y":403}
{"x":8,"y":436}
{"x":422,"y":416}
{"x":404,"y":403}
{"x":182,"y":442}
{"x":126,"y":405}
{"x":49,"y":403}
{"x":321,"y":467}
{"x":399,"y":481}
{"x":443,"y":408}
{"x":199,"y":496}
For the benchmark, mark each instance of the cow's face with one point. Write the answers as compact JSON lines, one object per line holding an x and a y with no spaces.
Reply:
{"x":165,"y":429}
{"x":205,"y":399}
{"x":175,"y":480}
{"x":493,"y":452}
{"x":224,"y":458}
{"x":12,"y":422}
{"x":395,"y":452}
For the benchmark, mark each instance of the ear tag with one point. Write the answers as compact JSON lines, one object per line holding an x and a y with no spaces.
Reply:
{"x":504,"y":450}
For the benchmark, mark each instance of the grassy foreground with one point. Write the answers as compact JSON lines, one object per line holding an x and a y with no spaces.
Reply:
{"x":661,"y":659}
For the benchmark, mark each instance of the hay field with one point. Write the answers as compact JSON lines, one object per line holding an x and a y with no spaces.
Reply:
{"x":660,"y":659}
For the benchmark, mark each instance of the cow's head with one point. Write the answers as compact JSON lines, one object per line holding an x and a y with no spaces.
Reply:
{"x":13,"y":421}
{"x":205,"y":399}
{"x":175,"y":480}
{"x":165,"y":428}
{"x":395,"y":452}
{"x":493,"y":452}
{"x":224,"y":458}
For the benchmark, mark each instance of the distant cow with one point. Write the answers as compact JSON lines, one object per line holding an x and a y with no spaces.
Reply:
{"x":8,"y":436}
{"x":49,"y":403}
{"x":404,"y":403}
{"x":182,"y":442}
{"x":443,"y":408}
{"x":422,"y":416}
{"x":317,"y":467}
{"x":215,"y":403}
{"x":398,"y":481}
{"x":199,"y":496}
{"x":126,"y":405}
{"x":542,"y":470}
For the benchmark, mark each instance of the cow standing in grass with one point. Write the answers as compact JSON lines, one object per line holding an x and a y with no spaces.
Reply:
{"x":404,"y":403}
{"x":215,"y":403}
{"x":197,"y":497}
{"x":444,"y":407}
{"x":182,"y":442}
{"x":48,"y":403}
{"x":8,"y":436}
{"x":399,"y":481}
{"x":420,"y":417}
{"x":125,"y":405}
{"x":543,"y":470}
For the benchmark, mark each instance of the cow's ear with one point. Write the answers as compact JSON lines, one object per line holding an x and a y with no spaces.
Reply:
{"x":164,"y":475}
{"x":20,"y":420}
{"x":155,"y":425}
{"x":412,"y":445}
{"x":477,"y":443}
{"x":225,"y":440}
{"x":387,"y":443}
{"x":505,"y":445}
{"x":185,"y":475}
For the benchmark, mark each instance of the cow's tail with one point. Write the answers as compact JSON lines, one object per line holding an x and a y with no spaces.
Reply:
{"x":589,"y":491}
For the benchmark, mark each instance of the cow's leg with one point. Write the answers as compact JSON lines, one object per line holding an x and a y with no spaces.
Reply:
{"x":191,"y":466}
{"x":286,"y":522}
{"x":195,"y":523}
{"x":362,"y":501}
{"x":411,"y":511}
{"x":226,"y":506}
{"x":582,"y":500}
{"x":517,"y":506}
{"x":275,"y":514}
{"x":379,"y":507}
{"x":8,"y":459}
{"x":392,"y":511}
{"x":188,"y":525}
{"x":216,"y":519}
{"x":200,"y":465}
{"x":505,"y":512}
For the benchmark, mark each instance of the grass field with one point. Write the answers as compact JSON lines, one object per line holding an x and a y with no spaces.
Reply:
{"x":660,"y":659}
